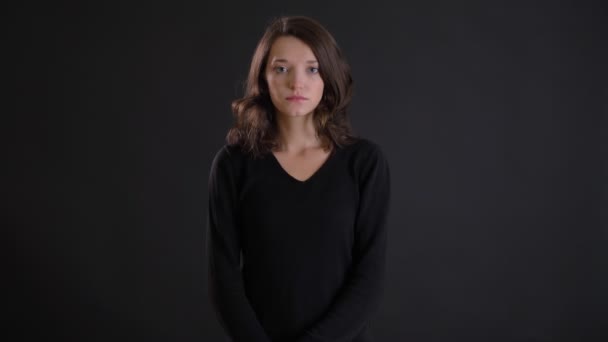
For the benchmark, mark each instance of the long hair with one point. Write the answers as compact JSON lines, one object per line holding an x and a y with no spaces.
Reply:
{"x":255,"y":128}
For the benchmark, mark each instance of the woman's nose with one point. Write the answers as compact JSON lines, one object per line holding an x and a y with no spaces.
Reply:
{"x":296,"y":80}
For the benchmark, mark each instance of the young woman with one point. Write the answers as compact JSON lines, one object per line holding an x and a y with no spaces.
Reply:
{"x":298,"y":204}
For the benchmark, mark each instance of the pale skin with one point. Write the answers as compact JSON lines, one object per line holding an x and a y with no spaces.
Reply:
{"x":296,"y":88}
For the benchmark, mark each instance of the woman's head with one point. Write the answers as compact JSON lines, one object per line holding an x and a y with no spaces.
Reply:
{"x":305,"y":45}
{"x":293,"y":77}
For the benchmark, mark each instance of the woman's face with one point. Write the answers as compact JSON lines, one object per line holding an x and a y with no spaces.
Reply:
{"x":292,"y":74}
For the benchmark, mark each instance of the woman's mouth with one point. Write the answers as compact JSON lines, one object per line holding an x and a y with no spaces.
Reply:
{"x":296,"y":98}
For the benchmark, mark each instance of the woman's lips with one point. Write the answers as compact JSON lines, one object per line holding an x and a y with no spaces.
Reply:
{"x":296,"y":98}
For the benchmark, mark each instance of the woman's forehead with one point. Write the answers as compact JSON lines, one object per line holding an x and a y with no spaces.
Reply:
{"x":290,"y":49}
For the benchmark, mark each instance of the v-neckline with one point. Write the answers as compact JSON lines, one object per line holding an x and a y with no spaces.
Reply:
{"x":312,"y":176}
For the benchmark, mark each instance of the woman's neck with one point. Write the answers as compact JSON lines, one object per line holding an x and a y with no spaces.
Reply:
{"x":297,"y":134}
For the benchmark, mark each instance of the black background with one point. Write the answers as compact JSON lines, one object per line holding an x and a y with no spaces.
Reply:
{"x":493,"y":116}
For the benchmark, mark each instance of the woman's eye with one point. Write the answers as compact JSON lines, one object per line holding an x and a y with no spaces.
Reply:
{"x":280,"y":69}
{"x":314,"y":70}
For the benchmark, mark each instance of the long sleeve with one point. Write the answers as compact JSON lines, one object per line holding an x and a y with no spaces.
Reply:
{"x":361,"y":294}
{"x":226,"y":288}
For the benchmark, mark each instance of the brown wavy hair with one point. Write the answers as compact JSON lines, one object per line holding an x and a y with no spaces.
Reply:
{"x":255,"y":128}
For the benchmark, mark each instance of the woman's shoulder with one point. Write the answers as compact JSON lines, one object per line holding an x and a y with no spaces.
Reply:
{"x":229,"y":151}
{"x":228,"y":156}
{"x":367,"y":158}
{"x":365,"y":148}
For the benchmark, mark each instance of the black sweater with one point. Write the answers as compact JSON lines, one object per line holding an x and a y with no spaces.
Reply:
{"x":298,"y":261}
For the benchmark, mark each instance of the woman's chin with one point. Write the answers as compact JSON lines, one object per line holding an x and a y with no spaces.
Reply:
{"x":295,"y":114}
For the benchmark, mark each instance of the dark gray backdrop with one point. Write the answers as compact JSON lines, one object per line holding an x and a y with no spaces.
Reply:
{"x":493,"y":116}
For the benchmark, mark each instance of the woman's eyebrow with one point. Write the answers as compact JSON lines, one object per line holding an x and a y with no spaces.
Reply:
{"x":283,"y":60}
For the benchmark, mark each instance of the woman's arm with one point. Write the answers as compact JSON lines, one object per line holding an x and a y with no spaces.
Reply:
{"x":225,"y":281}
{"x":360,"y":297}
